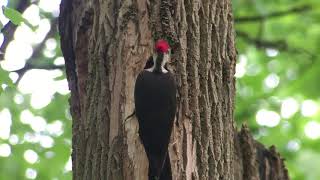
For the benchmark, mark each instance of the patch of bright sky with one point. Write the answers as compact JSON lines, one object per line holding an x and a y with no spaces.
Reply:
{"x":68,"y":166}
{"x":55,"y":128}
{"x":24,"y":34}
{"x":289,"y":107}
{"x":3,"y":19}
{"x":67,"y":141}
{"x":18,"y":99}
{"x":46,"y":141}
{"x":293,"y":145}
{"x":272,"y":52}
{"x":5,"y":121}
{"x":26,"y":116}
{"x":37,"y":123}
{"x":30,"y":156}
{"x":32,"y":14}
{"x":13,"y":60}
{"x":42,"y":86}
{"x":51,"y":6}
{"x":13,"y":76}
{"x":309,"y":108}
{"x":4,"y":86}
{"x":41,"y":32}
{"x":67,"y":114}
{"x":267,"y":118}
{"x":41,"y":99}
{"x":59,"y":61}
{"x":253,"y":69}
{"x":272,"y":81}
{"x":31,"y":173}
{"x":49,"y":53}
{"x":51,"y":44}
{"x":49,"y":154}
{"x":14,"y":139}
{"x":312,"y":130}
{"x":5,"y":150}
{"x":31,"y":137}
{"x":241,"y":66}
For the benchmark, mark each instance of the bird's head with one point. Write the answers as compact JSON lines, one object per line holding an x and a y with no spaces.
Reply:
{"x":162,"y":53}
{"x":162,"y":46}
{"x":157,"y":62}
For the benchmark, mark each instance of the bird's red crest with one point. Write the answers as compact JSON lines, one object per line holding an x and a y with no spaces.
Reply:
{"x":162,"y":46}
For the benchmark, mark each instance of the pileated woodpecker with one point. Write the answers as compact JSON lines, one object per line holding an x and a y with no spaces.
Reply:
{"x":155,"y":105}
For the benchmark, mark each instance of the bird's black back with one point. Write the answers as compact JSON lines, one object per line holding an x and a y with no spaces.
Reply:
{"x":155,"y":104}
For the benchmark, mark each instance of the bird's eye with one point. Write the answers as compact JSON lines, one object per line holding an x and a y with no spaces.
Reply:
{"x":149,"y":63}
{"x":171,"y":52}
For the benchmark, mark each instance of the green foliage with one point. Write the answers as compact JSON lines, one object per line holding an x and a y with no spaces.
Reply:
{"x":15,"y":17}
{"x":5,"y":80}
{"x":39,"y":140}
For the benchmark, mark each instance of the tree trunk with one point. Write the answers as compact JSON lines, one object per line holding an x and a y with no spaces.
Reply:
{"x":106,"y":44}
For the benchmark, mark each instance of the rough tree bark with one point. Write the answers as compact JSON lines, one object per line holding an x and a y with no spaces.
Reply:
{"x":106,"y":44}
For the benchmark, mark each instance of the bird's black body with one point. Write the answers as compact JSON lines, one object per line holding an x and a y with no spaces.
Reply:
{"x":155,"y":104}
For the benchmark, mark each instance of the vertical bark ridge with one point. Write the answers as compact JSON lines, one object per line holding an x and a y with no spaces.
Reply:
{"x":182,"y":147}
{"x":192,"y":79}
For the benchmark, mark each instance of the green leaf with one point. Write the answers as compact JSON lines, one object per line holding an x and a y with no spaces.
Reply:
{"x":59,"y":78}
{"x":16,"y":17}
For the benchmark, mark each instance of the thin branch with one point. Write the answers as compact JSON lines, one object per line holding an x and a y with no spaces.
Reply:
{"x":294,"y":10}
{"x":30,"y":66}
{"x":33,"y":66}
{"x":37,"y":53}
{"x":281,"y":45}
{"x":39,"y":48}
{"x":9,"y":29}
{"x":260,"y":43}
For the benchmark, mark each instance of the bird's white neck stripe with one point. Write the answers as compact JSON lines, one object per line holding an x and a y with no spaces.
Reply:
{"x":165,"y":60}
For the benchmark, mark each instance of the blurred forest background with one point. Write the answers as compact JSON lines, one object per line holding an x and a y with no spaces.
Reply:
{"x":277,"y":74}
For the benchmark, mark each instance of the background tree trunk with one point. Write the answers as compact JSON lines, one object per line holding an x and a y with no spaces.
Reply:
{"x":106,"y":44}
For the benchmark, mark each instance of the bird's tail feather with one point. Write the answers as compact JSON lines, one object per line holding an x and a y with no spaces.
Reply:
{"x":160,"y":169}
{"x":166,"y":173}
